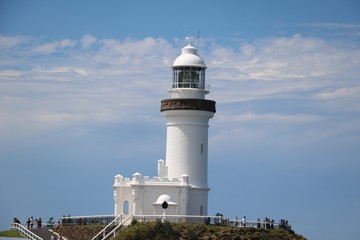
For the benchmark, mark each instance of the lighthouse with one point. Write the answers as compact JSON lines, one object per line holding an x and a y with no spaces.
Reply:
{"x":182,"y":179}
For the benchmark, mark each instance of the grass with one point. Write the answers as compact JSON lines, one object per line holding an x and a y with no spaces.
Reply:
{"x":10,"y":233}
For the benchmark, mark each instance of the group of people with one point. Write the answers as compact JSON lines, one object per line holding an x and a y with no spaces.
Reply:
{"x":267,"y":223}
{"x":242,"y":222}
{"x":284,"y":224}
{"x":31,"y":222}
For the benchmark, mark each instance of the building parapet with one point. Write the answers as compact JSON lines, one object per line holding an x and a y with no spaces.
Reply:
{"x":138,"y":179}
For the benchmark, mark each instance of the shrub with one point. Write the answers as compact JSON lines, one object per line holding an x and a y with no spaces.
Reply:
{"x":190,"y":231}
{"x":153,"y":230}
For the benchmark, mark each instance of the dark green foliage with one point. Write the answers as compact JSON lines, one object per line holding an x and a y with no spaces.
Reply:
{"x":187,"y":231}
{"x":165,"y":231}
{"x":152,"y":230}
{"x":134,"y":222}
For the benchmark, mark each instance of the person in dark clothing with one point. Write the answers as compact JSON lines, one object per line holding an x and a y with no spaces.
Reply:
{"x":258,"y":224}
{"x":28,"y":223}
{"x":39,"y":223}
{"x":16,"y":220}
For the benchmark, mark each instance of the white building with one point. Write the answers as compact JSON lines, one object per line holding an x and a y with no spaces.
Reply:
{"x":182,"y":179}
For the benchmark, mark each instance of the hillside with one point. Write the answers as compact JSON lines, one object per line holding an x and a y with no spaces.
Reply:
{"x":168,"y":231}
{"x":10,"y":234}
{"x":180,"y":231}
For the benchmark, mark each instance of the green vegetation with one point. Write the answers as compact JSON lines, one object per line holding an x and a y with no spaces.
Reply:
{"x":77,"y":232}
{"x":10,"y":233}
{"x":176,"y":231}
{"x":151,"y":230}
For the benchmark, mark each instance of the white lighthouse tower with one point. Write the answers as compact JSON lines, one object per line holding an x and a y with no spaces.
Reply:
{"x":182,"y":179}
{"x":187,"y":114}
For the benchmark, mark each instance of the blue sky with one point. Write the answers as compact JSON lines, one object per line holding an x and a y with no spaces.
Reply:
{"x":80,"y":90}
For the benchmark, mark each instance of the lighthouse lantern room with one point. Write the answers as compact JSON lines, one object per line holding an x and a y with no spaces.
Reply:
{"x":189,"y":75}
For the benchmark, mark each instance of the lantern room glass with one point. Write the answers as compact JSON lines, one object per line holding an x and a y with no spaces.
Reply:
{"x":188,"y":77}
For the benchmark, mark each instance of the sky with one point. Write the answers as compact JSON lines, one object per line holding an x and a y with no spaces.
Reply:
{"x":80,"y":90}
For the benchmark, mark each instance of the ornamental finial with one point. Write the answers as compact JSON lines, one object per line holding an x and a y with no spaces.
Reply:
{"x":190,"y":39}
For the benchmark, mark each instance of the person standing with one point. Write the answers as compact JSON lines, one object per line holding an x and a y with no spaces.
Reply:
{"x":31,"y":222}
{"x":39,"y":223}
{"x":243,"y":222}
{"x":258,"y":224}
{"x":28,"y":223}
{"x":236,"y":222}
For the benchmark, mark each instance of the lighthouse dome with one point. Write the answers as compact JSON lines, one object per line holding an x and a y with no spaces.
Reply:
{"x":164,"y":198}
{"x":189,"y":57}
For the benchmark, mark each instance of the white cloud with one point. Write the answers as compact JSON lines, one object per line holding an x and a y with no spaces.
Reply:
{"x":9,"y":42}
{"x":51,"y":47}
{"x":332,"y":25}
{"x":88,"y":40}
{"x":114,"y":81}
{"x":274,"y":117}
{"x":258,"y":126}
{"x":149,"y":52}
{"x":339,"y":93}
{"x":61,"y":70}
{"x":56,"y":118}
{"x":10,"y":73}
{"x":284,"y":58}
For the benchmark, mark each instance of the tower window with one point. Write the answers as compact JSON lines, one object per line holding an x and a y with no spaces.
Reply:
{"x":202,"y":148}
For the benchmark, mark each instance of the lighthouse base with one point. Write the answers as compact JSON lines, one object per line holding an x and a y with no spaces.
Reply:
{"x":142,"y":195}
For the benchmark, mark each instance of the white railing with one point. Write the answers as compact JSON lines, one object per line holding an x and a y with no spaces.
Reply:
{"x":113,"y":232}
{"x":25,"y":232}
{"x":103,"y":232}
{"x":118,"y":222}
{"x":190,"y":85}
{"x":178,"y":218}
{"x":216,"y":220}
{"x":58,"y":235}
{"x":86,"y":220}
{"x":253,"y":224}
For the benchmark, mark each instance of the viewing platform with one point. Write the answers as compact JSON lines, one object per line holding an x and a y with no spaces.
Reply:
{"x":212,"y":220}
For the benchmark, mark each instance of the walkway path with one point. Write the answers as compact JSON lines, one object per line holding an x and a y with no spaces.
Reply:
{"x":44,"y":233}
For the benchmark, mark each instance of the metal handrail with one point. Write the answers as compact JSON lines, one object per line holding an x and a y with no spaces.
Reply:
{"x":183,"y":218}
{"x":113,"y":232}
{"x":107,"y":226}
{"x":217,"y":220}
{"x":89,"y":216}
{"x":189,"y":85}
{"x":221,"y":220}
{"x":178,"y":218}
{"x":58,"y":235}
{"x":25,"y":232}
{"x":69,"y":220}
